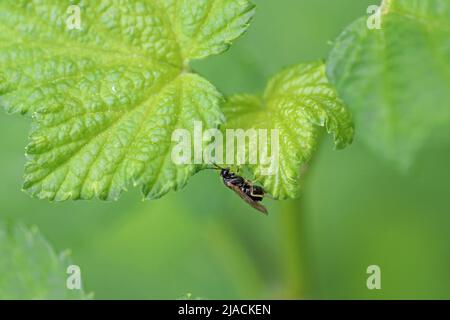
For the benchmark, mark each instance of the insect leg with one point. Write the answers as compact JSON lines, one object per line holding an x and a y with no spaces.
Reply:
{"x":256,"y":192}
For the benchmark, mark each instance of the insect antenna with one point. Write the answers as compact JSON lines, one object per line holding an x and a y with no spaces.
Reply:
{"x":269,"y":196}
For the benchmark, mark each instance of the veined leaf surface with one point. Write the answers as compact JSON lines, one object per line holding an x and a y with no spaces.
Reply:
{"x":297,"y":102}
{"x":105,"y":98}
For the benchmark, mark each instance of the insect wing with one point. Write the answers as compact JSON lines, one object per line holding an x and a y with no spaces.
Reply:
{"x":249,"y":200}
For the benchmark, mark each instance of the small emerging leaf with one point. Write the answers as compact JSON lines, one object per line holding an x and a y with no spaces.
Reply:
{"x":297,"y":102}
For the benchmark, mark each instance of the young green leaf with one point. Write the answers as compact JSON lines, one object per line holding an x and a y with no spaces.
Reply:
{"x":106,"y":97}
{"x":396,"y":79}
{"x":297,"y":102}
{"x":30,"y":269}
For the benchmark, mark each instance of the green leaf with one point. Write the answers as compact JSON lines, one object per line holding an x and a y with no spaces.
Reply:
{"x":29,"y":267}
{"x":105,"y":99}
{"x":396,"y":79}
{"x":297,"y":102}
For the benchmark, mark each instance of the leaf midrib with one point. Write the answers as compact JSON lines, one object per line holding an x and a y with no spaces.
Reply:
{"x":78,"y":50}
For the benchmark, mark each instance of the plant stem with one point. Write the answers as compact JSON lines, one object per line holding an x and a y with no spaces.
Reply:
{"x":292,"y":226}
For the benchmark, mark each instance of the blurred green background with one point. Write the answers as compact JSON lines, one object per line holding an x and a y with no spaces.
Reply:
{"x":355,"y":211}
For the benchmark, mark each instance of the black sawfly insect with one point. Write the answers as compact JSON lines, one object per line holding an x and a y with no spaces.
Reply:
{"x":245,"y":189}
